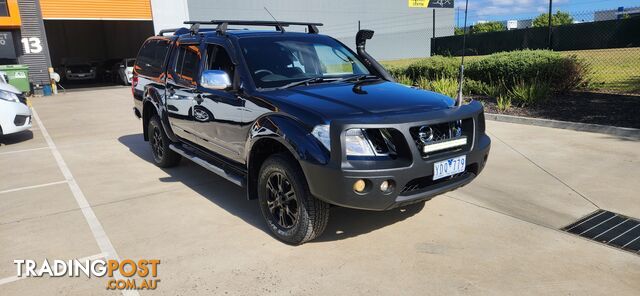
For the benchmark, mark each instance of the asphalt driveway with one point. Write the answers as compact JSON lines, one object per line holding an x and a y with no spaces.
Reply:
{"x":81,"y":184}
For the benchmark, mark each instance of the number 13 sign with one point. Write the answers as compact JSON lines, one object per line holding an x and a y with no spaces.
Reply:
{"x":31,"y":45}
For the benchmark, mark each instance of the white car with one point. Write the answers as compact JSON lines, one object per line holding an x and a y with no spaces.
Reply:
{"x":15,"y":114}
{"x":125,"y":71}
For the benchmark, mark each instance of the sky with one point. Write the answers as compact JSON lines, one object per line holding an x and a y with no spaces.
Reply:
{"x":524,"y":9}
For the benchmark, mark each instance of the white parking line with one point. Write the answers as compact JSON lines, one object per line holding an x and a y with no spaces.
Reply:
{"x":24,"y":150}
{"x":96,"y":228}
{"x":14,"y":278}
{"x":32,"y":187}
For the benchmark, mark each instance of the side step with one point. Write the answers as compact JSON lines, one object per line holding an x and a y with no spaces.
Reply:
{"x":233,"y":178}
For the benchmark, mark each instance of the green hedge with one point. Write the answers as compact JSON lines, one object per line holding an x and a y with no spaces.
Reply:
{"x":433,"y":68}
{"x":562,"y":73}
{"x":504,"y":70}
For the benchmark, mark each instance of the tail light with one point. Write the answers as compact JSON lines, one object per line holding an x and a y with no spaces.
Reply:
{"x":134,"y":83}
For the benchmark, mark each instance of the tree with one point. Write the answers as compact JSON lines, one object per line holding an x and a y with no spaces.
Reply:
{"x":458,"y":31}
{"x":487,"y":27}
{"x":558,"y":19}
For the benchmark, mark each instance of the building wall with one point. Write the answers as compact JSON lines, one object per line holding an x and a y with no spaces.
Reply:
{"x":96,"y":9}
{"x":401,"y":32}
{"x":168,"y":14}
{"x":605,"y":15}
{"x":36,"y":55}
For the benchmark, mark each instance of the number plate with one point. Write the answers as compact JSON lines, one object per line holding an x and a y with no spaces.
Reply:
{"x":449,"y":167}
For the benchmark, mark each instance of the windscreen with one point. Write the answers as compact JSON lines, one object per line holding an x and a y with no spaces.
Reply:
{"x":275,"y":61}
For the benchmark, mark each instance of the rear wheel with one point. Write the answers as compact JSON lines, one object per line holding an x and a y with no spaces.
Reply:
{"x":292,"y":214}
{"x":163,"y":156}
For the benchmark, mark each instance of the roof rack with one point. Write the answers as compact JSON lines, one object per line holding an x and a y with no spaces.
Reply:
{"x":175,"y":31}
{"x":223,"y":24}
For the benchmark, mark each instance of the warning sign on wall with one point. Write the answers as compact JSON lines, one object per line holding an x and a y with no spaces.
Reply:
{"x":431,"y":3}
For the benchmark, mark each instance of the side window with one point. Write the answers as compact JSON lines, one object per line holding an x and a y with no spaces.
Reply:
{"x":187,"y":64}
{"x":152,"y":58}
{"x":218,"y":59}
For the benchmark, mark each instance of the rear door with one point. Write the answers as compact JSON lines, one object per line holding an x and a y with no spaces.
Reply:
{"x":181,"y":88}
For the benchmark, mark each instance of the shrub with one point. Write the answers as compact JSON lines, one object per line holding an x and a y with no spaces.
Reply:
{"x":474,"y":87}
{"x":397,"y":72}
{"x":445,"y":86}
{"x":433,"y":68}
{"x":529,"y":93}
{"x":503,"y":102}
{"x":562,"y":73}
{"x":403,"y":79}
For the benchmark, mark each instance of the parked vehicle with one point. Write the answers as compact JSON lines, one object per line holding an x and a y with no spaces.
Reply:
{"x":108,"y":70}
{"x":15,"y":114}
{"x":301,"y":122}
{"x":79,"y":69}
{"x":124,"y":70}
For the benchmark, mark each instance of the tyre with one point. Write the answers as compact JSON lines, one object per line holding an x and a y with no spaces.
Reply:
{"x":163,"y":156}
{"x":292,"y":214}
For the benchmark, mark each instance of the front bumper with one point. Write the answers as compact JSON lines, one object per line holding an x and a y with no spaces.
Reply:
{"x":15,"y":118}
{"x":412,"y":178}
{"x":81,"y":76}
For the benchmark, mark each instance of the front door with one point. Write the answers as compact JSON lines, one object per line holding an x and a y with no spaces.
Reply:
{"x":218,"y":113}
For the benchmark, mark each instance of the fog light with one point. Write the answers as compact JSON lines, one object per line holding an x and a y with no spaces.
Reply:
{"x":359,"y":186}
{"x":384,"y":186}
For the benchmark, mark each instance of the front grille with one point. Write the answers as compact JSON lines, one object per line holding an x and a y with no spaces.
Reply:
{"x":426,"y":183}
{"x":423,"y":183}
{"x":20,"y":120}
{"x":609,"y":228}
{"x":443,"y":133}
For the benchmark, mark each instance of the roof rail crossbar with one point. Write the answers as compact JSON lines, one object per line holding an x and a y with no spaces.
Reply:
{"x":223,"y":24}
{"x":164,"y":31}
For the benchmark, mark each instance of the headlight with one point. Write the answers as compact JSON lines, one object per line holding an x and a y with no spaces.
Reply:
{"x":321,"y":132}
{"x":8,"y":96}
{"x":68,"y":71}
{"x":357,"y":143}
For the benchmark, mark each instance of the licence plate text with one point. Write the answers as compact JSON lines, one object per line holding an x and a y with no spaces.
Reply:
{"x":449,"y":167}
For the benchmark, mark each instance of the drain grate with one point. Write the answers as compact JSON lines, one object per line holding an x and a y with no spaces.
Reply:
{"x":609,"y":228}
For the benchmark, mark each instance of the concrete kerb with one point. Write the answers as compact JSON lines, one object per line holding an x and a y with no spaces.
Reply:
{"x":625,"y":132}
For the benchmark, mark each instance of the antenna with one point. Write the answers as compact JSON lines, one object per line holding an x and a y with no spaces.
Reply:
{"x":464,"y":45}
{"x":280,"y":27}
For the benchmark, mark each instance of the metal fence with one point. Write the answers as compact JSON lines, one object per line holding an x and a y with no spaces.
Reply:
{"x":609,"y":41}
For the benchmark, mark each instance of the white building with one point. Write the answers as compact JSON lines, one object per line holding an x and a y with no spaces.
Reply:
{"x":400,"y":31}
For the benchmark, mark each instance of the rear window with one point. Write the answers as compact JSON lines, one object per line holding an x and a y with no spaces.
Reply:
{"x":152,"y":56}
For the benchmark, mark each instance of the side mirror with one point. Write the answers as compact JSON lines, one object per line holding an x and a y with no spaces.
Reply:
{"x":215,"y":79}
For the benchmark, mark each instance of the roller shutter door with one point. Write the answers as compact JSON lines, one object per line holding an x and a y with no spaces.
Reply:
{"x":96,"y":9}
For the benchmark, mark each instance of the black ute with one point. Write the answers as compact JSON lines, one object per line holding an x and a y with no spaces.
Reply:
{"x":301,"y":121}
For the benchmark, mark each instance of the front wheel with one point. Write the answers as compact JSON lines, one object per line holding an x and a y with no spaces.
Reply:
{"x":163,"y":156}
{"x":292,"y":214}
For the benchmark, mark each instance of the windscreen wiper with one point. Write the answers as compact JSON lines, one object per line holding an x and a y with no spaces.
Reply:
{"x":305,"y":82}
{"x":357,"y":78}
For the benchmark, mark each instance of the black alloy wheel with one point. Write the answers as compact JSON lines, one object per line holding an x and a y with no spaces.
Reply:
{"x":281,"y":201}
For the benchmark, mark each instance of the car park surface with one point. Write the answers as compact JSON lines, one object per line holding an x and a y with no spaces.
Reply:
{"x":498,"y":235}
